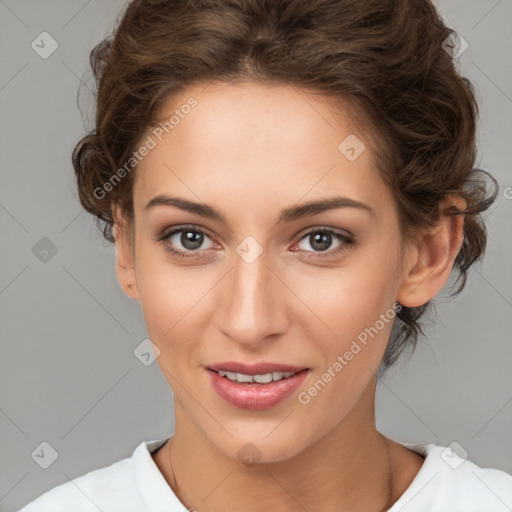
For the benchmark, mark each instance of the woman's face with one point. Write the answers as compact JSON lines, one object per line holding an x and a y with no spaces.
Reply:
{"x":269,"y":281}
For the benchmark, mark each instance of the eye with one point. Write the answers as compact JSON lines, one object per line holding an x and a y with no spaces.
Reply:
{"x":322,"y":239}
{"x":185,"y":242}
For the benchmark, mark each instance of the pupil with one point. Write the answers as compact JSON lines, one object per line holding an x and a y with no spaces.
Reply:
{"x":323,"y":240}
{"x":191,"y":240}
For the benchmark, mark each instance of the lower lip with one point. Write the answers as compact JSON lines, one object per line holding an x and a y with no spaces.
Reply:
{"x":255,"y":396}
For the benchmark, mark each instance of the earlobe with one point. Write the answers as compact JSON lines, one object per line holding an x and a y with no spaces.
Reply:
{"x":125,"y":263}
{"x":430,"y":258}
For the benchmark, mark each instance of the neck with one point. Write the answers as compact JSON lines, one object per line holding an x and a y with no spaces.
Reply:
{"x":349,"y":468}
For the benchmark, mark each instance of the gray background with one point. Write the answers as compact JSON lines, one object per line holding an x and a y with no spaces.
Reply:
{"x":68,"y":373}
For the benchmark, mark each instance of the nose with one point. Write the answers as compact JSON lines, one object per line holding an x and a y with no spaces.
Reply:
{"x":253,"y":303}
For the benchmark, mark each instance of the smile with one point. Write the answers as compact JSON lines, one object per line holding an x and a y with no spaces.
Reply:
{"x":259,"y":379}
{"x":258,"y":387}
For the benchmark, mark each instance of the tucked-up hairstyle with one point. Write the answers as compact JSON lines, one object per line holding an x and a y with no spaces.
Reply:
{"x":386,"y":59}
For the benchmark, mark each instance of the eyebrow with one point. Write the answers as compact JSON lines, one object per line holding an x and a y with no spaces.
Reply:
{"x":288,"y":214}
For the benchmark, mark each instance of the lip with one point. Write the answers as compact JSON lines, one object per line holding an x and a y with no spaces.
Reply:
{"x":256,"y":368}
{"x":254,"y":396}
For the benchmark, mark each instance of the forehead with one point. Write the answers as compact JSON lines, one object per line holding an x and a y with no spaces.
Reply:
{"x":263,"y":143}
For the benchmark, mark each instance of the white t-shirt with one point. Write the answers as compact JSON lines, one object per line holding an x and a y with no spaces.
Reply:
{"x":445,"y":483}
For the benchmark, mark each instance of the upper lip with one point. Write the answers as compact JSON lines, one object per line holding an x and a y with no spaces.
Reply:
{"x":256,"y":368}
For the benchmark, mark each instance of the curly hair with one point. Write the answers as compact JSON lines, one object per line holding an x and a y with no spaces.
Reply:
{"x":386,"y":58}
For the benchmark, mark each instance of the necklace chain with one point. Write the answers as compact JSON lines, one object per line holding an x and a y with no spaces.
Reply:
{"x":390,"y":476}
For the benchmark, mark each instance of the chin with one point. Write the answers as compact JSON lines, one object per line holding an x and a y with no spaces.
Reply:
{"x":253,"y":446}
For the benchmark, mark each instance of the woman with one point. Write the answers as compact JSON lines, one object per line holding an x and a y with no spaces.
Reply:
{"x":288,"y":185}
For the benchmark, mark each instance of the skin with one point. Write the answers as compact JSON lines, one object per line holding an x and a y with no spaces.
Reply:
{"x":251,"y":150}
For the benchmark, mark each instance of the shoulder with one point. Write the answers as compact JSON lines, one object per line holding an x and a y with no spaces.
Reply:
{"x":110,"y":488}
{"x":448,"y":481}
{"x":82,"y":493}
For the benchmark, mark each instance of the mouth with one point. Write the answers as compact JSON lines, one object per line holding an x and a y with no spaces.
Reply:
{"x":262,"y":378}
{"x":259,"y":386}
{"x":262,"y":368}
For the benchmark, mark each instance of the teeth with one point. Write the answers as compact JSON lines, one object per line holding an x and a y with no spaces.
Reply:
{"x":259,"y":379}
{"x":264,"y":379}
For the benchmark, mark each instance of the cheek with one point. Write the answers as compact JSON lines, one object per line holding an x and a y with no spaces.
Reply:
{"x":343,"y":300}
{"x":178,"y":304}
{"x":350,"y":303}
{"x":166,"y":291}
{"x":167,"y":294}
{"x":352,"y":325}
{"x":352,"y":297}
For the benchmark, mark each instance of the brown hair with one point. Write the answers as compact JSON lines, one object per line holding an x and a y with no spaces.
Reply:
{"x":385,"y":57}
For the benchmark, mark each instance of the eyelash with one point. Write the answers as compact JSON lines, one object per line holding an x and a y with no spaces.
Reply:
{"x":347,"y":242}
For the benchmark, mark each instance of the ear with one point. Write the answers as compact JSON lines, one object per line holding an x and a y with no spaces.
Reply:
{"x":125,"y":255}
{"x":431,"y":256}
